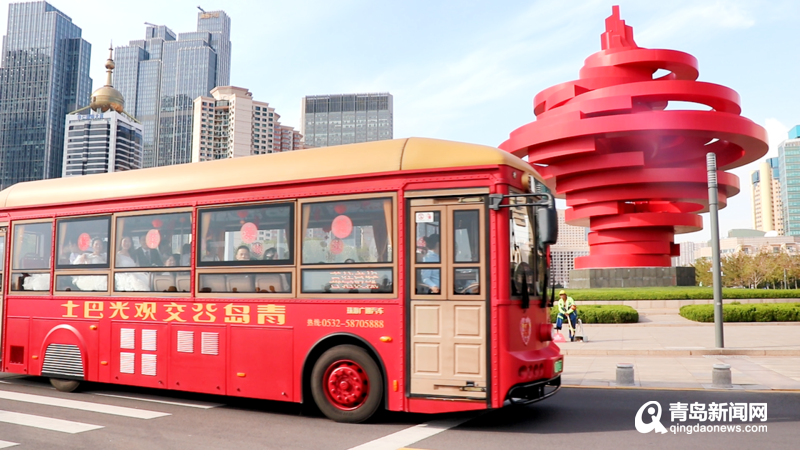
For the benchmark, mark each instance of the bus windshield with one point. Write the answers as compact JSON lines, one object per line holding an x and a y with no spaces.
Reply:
{"x":528,"y":258}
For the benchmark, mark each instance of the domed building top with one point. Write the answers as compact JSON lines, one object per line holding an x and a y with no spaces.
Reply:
{"x":107,"y":98}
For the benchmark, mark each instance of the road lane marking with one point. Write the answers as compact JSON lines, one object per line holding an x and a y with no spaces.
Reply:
{"x":46,"y":423}
{"x":83,"y":406}
{"x":6,"y":444}
{"x":404,"y":438}
{"x":201,"y":405}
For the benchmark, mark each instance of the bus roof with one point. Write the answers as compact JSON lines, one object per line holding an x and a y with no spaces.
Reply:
{"x":328,"y":162}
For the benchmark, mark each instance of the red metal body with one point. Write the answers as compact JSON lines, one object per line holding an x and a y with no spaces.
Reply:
{"x":273,"y":360}
{"x":632,"y":171}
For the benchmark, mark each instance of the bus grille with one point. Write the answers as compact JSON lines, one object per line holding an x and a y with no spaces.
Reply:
{"x":61,"y":360}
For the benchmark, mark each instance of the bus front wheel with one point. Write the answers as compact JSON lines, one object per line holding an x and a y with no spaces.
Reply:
{"x":346,"y":384}
{"x":64,"y":385}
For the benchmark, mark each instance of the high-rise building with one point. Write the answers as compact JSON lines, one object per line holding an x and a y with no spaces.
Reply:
{"x":346,"y":119}
{"x":766,"y":197}
{"x":107,"y":139}
{"x":789,"y":170}
{"x":161,"y":76}
{"x":571,"y":244}
{"x":44,"y":74}
{"x":690,"y":251}
{"x":230,"y":124}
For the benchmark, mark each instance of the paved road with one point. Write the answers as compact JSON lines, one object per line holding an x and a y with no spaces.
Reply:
{"x":32,"y":416}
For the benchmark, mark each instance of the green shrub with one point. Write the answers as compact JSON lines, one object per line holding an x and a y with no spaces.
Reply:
{"x":677,"y":293}
{"x":755,"y":312}
{"x":602,"y":314}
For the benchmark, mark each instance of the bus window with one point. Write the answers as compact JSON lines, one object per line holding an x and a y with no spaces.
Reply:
{"x":246,"y":235}
{"x":151,"y":281}
{"x":348,"y":232}
{"x":523,"y":251}
{"x":348,"y":235}
{"x":33,"y":243}
{"x":153,"y":240}
{"x":2,"y":252}
{"x":83,"y":242}
{"x":32,"y":246}
{"x":262,"y":283}
{"x":82,"y":283}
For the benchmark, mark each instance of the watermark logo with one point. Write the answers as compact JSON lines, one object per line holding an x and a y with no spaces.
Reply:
{"x":712,"y":417}
{"x":653,"y":410}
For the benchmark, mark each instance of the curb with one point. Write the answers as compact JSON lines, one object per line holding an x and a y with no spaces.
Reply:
{"x":690,"y":324}
{"x":672,"y":353}
{"x":647,"y":388}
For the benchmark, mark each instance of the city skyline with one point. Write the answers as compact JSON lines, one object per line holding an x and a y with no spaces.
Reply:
{"x":492,"y":61}
{"x":44,"y":74}
{"x":163,"y":74}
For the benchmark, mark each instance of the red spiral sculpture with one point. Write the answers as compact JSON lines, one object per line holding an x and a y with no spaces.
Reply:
{"x":631,"y":170}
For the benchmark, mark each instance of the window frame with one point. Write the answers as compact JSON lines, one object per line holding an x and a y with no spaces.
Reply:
{"x":360,"y":297}
{"x":252,"y":264}
{"x":11,"y":247}
{"x":114,"y":270}
{"x":246,"y":270}
{"x":447,"y":206}
{"x":4,"y":233}
{"x":82,"y":267}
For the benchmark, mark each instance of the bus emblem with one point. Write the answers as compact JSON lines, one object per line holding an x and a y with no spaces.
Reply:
{"x":525,"y":328}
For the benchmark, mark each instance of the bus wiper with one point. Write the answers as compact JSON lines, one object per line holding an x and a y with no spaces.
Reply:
{"x":526,"y":298}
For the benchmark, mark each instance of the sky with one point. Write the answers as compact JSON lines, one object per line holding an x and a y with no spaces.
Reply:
{"x":468,"y":70}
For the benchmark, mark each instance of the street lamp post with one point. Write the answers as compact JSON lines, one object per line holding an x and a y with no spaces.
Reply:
{"x":713,"y":209}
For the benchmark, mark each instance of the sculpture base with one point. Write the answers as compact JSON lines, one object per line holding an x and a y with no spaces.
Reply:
{"x":623,"y":277}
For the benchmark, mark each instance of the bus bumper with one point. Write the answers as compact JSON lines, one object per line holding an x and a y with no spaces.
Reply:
{"x":527,"y":393}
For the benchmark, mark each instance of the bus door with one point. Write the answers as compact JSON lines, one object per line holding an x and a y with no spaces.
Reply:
{"x":3,"y":228}
{"x":448,"y":298}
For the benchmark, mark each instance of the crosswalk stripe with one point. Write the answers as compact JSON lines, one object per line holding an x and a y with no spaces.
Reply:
{"x":411,"y":435}
{"x":6,"y":444}
{"x":193,"y":404}
{"x":46,"y":423}
{"x":83,"y":406}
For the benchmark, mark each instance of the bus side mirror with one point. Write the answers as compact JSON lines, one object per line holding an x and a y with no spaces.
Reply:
{"x":547,"y":222}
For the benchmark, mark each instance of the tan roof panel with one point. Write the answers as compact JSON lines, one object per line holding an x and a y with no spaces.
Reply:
{"x":328,"y":162}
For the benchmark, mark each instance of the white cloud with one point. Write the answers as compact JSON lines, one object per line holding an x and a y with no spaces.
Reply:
{"x":693,"y":21}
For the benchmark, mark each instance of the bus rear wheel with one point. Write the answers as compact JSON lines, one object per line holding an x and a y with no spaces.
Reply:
{"x":64,"y":385}
{"x":346,"y":384}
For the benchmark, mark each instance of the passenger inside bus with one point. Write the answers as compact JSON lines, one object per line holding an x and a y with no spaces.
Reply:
{"x":124,"y":256}
{"x":243,"y":253}
{"x":186,"y":254}
{"x":270,"y":253}
{"x":172,"y":260}
{"x":98,"y":255}
{"x":146,"y":256}
{"x":430,"y":277}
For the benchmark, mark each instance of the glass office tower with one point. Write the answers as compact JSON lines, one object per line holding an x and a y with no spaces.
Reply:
{"x":346,"y":119}
{"x":789,"y":171}
{"x":161,"y":75}
{"x":44,"y":74}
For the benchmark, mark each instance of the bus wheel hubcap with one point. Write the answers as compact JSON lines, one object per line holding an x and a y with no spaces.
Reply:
{"x":347,"y":384}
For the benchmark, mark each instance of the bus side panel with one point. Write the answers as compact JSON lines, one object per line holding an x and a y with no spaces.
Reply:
{"x":72,"y":345}
{"x":261,"y":363}
{"x":524,"y":358}
{"x":139,"y":355}
{"x":15,"y":353}
{"x":196,"y":361}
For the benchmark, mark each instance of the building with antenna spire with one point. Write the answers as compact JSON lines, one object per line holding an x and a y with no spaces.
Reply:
{"x":102,"y":137}
{"x":163,"y":73}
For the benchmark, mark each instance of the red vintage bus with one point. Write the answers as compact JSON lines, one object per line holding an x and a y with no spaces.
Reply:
{"x":407,"y":274}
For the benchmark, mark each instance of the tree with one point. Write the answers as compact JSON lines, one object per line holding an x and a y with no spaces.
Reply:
{"x":702,"y":271}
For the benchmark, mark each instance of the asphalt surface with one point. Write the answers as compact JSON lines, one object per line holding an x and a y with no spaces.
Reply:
{"x":575,"y":417}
